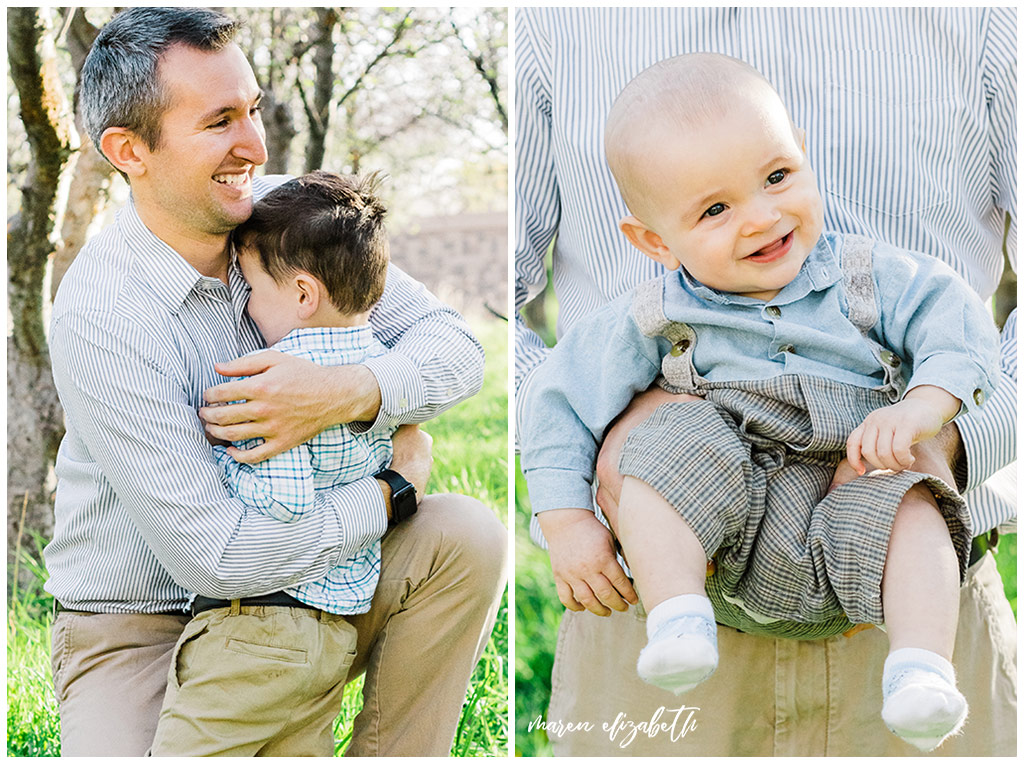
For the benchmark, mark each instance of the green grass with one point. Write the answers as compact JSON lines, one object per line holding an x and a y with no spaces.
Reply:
{"x":470,"y":457}
{"x":538,"y":613}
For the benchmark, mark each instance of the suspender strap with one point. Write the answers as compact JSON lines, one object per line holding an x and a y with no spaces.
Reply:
{"x":858,"y":282}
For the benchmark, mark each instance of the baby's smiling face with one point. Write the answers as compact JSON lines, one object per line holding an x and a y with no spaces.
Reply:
{"x":734,"y":200}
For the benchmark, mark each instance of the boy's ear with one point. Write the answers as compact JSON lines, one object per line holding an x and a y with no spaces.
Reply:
{"x":647,"y":241}
{"x":121,"y":147}
{"x":309,"y":292}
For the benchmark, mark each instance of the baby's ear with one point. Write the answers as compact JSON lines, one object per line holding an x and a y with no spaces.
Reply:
{"x":647,"y":241}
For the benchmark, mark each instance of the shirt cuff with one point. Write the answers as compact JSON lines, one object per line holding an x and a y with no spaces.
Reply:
{"x":402,"y":391}
{"x":990,"y":437}
{"x":558,"y":489}
{"x":961,"y":378}
{"x":362,"y":516}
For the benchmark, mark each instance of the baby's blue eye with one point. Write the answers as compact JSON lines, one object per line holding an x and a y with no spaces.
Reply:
{"x":714,"y":209}
{"x":776,"y":177}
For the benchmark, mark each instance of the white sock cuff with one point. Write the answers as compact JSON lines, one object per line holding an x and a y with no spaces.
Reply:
{"x":908,"y":657}
{"x":673,"y":607}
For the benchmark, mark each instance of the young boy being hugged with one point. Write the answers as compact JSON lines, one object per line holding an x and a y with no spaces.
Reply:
{"x":315,"y":255}
{"x":794,"y":343}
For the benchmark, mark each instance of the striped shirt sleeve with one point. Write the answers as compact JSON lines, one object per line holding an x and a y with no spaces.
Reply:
{"x":435,"y":360}
{"x":537,"y":202}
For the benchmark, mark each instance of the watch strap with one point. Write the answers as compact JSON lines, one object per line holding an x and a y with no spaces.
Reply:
{"x":403,"y":495}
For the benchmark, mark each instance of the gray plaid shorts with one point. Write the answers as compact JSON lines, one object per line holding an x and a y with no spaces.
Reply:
{"x":748,"y":468}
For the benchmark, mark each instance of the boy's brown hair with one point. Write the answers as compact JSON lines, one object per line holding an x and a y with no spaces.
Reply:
{"x":329,"y":226}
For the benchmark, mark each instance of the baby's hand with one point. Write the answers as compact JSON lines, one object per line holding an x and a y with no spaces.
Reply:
{"x":582,"y":551}
{"x":885,"y":436}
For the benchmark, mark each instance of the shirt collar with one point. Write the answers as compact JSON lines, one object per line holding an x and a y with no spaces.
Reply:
{"x":171,"y":277}
{"x":819,"y":271}
{"x":327,"y":339}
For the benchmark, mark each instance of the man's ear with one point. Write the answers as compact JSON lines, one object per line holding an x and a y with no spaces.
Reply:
{"x":121,"y":147}
{"x":647,"y":241}
{"x":310,"y":292}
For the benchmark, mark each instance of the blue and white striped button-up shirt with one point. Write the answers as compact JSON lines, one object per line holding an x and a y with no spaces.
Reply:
{"x":284,"y":486}
{"x":142,"y":513}
{"x":910,"y":117}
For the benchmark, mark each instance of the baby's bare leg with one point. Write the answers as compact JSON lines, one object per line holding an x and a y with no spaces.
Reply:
{"x":920,"y":602}
{"x":921,"y":582}
{"x":669,"y":565}
{"x":663,"y":553}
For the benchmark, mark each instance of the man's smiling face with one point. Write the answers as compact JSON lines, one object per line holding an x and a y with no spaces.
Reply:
{"x":199,"y":176}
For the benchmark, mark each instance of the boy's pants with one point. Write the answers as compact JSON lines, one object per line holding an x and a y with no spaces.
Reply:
{"x":776,"y":697}
{"x":248,"y":681}
{"x":442,"y":574}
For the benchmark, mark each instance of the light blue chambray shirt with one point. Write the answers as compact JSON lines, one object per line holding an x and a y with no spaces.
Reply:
{"x":142,"y":513}
{"x":284,"y":486}
{"x":911,"y":123}
{"x":926,"y":315}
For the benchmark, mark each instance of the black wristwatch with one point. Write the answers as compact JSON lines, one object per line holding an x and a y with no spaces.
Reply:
{"x":403,"y":495}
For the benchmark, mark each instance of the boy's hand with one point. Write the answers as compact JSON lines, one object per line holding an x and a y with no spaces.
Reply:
{"x":587,"y":575}
{"x":286,"y":401}
{"x":412,"y":456}
{"x":886,"y":436}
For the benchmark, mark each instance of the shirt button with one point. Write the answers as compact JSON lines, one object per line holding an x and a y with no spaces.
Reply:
{"x":889,"y":358}
{"x":773,"y":311}
{"x":979,"y":396}
{"x":403,"y":403}
{"x":679,"y":348}
{"x":787,"y":349}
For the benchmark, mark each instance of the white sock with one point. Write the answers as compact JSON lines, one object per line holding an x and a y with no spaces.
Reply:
{"x":921,"y":703}
{"x":682,"y":644}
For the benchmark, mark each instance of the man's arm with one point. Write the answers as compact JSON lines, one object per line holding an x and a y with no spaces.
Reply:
{"x":434,"y":362}
{"x":129,"y":406}
{"x":537,"y":203}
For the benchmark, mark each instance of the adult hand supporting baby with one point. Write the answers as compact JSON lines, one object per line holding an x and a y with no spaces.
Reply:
{"x":286,"y":401}
{"x":582,"y":552}
{"x":609,"y":478}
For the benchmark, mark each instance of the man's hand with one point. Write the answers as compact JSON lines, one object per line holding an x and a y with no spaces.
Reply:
{"x":587,"y":575}
{"x":886,"y":436}
{"x":609,"y":479}
{"x":286,"y":401}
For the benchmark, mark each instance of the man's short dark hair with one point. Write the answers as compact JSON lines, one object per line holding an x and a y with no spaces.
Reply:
{"x":329,"y":226}
{"x":120,"y":85}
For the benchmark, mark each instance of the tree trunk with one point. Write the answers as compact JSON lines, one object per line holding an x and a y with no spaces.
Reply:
{"x":34,"y":418}
{"x":90,"y":182}
{"x":280,"y":127}
{"x":319,"y":111}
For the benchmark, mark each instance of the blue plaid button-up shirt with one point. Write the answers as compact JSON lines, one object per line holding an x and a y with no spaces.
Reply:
{"x":284,"y":486}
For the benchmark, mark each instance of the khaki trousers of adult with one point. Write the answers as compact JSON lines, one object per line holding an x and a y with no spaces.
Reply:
{"x":443,"y":572}
{"x":776,"y":697}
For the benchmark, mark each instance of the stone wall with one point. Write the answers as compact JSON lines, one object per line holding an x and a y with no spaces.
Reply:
{"x":462,"y":259}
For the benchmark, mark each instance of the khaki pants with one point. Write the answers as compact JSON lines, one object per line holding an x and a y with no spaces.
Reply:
{"x":248,"y":681}
{"x":775,"y":697}
{"x":443,"y":571}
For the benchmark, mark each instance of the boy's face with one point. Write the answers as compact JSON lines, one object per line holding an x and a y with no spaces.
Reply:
{"x":273,"y":306}
{"x":734,"y":200}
